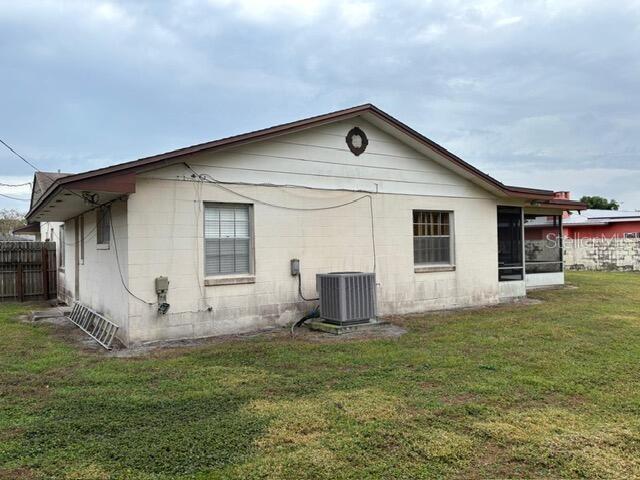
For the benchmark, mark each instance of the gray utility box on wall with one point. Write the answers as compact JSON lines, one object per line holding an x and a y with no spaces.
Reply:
{"x":347,"y":298}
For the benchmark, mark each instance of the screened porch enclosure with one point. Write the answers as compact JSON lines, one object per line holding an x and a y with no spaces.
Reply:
{"x":528,"y":244}
{"x":510,"y":250}
{"x":542,"y":243}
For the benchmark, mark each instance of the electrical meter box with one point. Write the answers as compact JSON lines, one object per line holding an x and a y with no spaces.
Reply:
{"x":162,"y":285}
{"x":295,"y":267}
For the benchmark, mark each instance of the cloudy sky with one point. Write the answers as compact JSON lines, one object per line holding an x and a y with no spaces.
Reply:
{"x":536,"y":93}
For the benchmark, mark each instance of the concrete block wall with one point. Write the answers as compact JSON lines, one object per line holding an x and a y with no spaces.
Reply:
{"x":166,"y":238}
{"x":605,"y":254}
{"x":541,"y":250}
{"x":99,"y":283}
{"x":160,"y":232}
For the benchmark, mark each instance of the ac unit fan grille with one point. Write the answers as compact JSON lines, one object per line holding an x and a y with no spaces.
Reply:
{"x":347,"y":297}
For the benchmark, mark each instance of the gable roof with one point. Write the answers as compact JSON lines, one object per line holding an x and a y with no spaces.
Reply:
{"x":41,"y":183}
{"x":29,"y":229}
{"x":371,"y":111}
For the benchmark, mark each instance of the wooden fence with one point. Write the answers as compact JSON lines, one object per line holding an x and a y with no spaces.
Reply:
{"x":27,"y":271}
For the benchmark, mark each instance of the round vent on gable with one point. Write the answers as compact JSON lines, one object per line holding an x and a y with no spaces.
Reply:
{"x":357,"y":141}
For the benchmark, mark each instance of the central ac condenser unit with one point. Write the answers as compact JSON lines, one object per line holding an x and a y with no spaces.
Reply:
{"x":347,"y":298}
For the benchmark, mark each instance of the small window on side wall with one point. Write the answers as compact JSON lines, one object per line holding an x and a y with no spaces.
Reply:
{"x":227,"y":239}
{"x":62,"y":245}
{"x":81,"y":239}
{"x":103,"y":226}
{"x":432,"y":238}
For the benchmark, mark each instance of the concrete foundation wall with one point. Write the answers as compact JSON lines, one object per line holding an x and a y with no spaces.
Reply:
{"x":511,"y":290}
{"x":607,"y":254}
{"x":536,"y":280}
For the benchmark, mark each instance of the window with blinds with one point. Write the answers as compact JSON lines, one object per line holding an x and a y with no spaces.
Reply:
{"x":227,"y":239}
{"x":432,"y":239}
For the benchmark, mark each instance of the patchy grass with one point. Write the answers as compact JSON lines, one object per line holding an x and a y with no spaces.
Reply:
{"x":547,"y":390}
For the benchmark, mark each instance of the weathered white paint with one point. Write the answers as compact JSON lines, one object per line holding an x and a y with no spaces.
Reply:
{"x":168,"y":241}
{"x":512,"y":290}
{"x":159,"y":232}
{"x":319,"y":158}
{"x":536,"y":280}
{"x":99,"y":283}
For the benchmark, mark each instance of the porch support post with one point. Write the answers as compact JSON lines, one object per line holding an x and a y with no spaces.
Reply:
{"x":524,"y":259}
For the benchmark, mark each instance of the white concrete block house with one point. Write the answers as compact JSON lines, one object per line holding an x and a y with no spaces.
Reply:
{"x":353,"y":190}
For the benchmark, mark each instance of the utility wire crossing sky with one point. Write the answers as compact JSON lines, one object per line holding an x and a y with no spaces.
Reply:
{"x":541,"y":94}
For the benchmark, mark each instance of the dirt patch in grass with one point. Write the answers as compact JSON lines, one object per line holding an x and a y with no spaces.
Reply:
{"x":61,"y":328}
{"x":460,"y":399}
{"x":301,"y":335}
{"x":17,"y":473}
{"x":64,"y":330}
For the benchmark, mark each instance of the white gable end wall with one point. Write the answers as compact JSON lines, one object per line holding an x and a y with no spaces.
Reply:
{"x":319,"y":158}
{"x":309,"y":169}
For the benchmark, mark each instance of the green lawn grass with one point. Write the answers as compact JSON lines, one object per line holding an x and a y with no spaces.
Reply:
{"x":546,"y":390}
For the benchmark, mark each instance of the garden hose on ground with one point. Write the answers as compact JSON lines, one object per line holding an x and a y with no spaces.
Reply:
{"x":315,"y":313}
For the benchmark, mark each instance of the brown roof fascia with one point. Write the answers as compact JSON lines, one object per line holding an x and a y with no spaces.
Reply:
{"x":113,"y":183}
{"x":508,"y":190}
{"x":567,"y":204}
{"x":27,"y":229}
{"x":223,"y":142}
{"x":290,"y":128}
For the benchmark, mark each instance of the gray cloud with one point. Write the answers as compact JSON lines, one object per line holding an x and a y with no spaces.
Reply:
{"x":536,"y":93}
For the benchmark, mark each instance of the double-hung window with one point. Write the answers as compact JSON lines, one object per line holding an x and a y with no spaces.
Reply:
{"x":227,"y":239}
{"x":432,"y":238}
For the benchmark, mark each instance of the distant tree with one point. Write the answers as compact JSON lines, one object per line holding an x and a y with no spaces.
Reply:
{"x":10,"y":219}
{"x":600,"y":203}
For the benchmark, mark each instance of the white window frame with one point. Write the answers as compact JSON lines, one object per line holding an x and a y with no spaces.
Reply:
{"x":435,"y":266}
{"x":220,"y":278}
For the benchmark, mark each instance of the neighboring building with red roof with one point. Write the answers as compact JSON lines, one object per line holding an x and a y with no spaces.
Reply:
{"x":602,"y":224}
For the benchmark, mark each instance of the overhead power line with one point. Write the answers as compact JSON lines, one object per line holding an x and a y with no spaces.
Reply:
{"x":19,"y":156}
{"x":37,"y":169}
{"x":15,"y":184}
{"x":13,"y":198}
